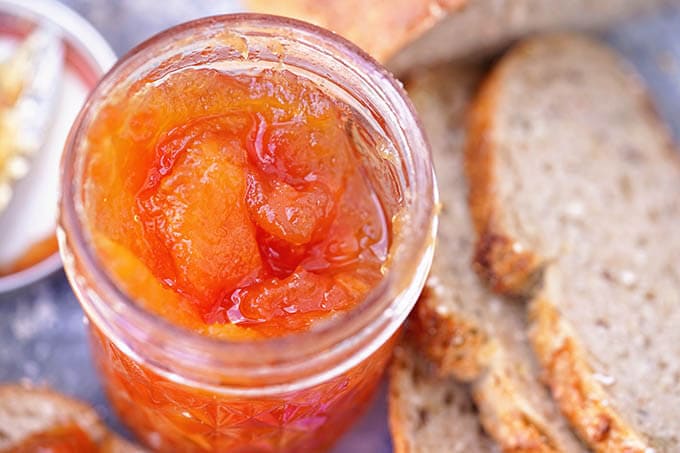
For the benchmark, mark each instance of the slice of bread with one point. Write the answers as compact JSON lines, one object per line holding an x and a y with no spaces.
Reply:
{"x":484,"y":26}
{"x":575,"y":185}
{"x":380,"y":27}
{"x":428,"y":413}
{"x":469,"y":333}
{"x":28,"y":411}
{"x":409,"y":34}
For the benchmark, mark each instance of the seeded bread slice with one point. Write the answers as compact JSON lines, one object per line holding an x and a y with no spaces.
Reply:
{"x":27,"y":411}
{"x":575,"y":186}
{"x":469,"y":333}
{"x":428,"y":413}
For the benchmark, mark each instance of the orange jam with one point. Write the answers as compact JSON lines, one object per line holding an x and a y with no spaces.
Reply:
{"x":234,"y":205}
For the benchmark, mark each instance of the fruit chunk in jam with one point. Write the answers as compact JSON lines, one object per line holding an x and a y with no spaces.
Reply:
{"x":239,"y":200}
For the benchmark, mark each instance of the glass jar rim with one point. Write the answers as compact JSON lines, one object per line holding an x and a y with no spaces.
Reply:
{"x":373,"y":320}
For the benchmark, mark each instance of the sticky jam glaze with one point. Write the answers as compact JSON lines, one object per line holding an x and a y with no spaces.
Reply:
{"x":234,"y":205}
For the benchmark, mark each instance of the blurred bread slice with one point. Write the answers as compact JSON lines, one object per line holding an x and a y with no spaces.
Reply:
{"x":467,"y":331}
{"x":26,"y":412}
{"x":429,"y":413}
{"x":380,"y":27}
{"x":409,"y":34}
{"x":484,"y":26}
{"x":576,"y":201}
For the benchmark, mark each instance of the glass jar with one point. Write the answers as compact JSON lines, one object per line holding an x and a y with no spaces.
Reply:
{"x":180,"y":391}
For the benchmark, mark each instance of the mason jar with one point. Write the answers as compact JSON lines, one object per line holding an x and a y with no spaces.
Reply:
{"x":178,"y":390}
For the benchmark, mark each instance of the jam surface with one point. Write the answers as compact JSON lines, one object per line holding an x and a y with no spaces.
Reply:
{"x":234,"y":205}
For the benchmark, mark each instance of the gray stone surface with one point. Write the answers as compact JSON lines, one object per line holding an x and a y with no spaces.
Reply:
{"x":42,"y":335}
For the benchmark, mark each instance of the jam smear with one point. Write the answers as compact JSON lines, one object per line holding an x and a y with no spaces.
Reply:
{"x":34,"y":254}
{"x":234,"y":204}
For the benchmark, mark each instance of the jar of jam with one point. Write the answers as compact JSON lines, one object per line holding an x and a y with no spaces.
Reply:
{"x":247,"y":217}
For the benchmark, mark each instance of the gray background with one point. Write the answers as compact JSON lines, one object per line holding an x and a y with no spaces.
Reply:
{"x":42,"y":336}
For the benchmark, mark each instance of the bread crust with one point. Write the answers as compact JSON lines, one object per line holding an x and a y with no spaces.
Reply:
{"x":501,"y":260}
{"x":456,"y":345}
{"x":508,"y":419}
{"x":582,"y":399}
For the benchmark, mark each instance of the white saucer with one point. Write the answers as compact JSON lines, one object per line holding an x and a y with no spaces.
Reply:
{"x":31,"y":215}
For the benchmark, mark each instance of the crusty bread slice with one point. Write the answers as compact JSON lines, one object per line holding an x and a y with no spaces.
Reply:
{"x":471,"y":334}
{"x":380,"y":27}
{"x":428,"y":413}
{"x":573,"y":173}
{"x":27,"y":411}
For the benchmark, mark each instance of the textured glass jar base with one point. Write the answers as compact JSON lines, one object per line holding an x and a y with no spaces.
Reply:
{"x":173,"y":417}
